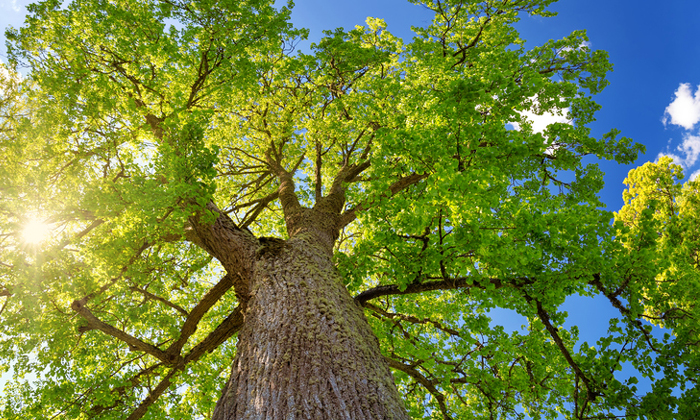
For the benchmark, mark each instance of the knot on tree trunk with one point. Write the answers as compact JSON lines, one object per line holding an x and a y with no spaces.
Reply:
{"x":269,"y":247}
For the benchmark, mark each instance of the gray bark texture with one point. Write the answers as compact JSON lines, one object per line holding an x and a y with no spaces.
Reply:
{"x":305,"y":350}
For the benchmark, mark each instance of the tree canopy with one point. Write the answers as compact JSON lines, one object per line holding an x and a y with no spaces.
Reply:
{"x":138,"y":122}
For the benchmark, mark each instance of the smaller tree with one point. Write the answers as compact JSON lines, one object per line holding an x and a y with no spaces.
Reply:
{"x":659,"y":227}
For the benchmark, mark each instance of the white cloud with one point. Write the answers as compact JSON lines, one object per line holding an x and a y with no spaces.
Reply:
{"x":12,"y":4}
{"x":685,"y":155}
{"x":17,"y":6}
{"x":695,"y":175}
{"x":540,"y":122}
{"x":691,"y":149}
{"x":582,"y":45}
{"x":685,"y":109}
{"x":675,"y":158}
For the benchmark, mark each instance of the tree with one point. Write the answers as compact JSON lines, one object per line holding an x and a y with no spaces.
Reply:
{"x":350,"y":215}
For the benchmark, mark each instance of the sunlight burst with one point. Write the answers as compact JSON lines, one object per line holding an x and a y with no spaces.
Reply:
{"x":35,"y":231}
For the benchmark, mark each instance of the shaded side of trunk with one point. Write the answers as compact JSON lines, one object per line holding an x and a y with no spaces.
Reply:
{"x":306,"y":351}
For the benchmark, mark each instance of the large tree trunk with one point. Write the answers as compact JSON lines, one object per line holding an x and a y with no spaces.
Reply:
{"x":306,"y":350}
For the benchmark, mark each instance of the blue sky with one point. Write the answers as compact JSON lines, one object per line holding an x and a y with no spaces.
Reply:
{"x":653,"y":96}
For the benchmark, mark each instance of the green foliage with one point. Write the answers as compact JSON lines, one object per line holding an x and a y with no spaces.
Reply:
{"x":137,"y":114}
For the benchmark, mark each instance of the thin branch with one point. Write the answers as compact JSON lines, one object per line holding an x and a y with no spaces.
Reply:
{"x":164,"y":301}
{"x":251,"y":216}
{"x":427,"y":383}
{"x":4,"y":304}
{"x":411,"y":319}
{"x":112,"y":281}
{"x":591,"y":394}
{"x":623,"y":310}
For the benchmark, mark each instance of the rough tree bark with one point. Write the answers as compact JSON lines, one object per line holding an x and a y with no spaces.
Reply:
{"x":306,"y":350}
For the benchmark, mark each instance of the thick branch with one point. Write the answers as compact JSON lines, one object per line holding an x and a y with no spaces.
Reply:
{"x":232,"y":246}
{"x":153,"y":396}
{"x":446,"y":284}
{"x":288,"y":198}
{"x":334,"y":201}
{"x":224,"y":331}
{"x":133,"y":342}
{"x":319,"y":179}
{"x":190,"y":325}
